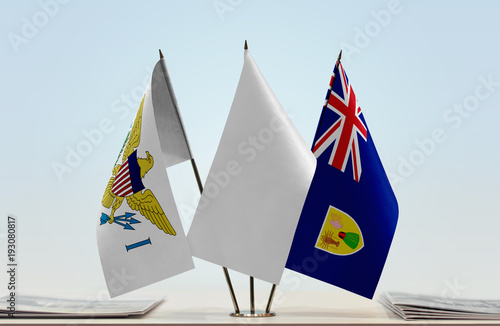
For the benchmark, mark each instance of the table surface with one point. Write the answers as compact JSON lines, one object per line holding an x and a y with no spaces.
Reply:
{"x":292,"y":307}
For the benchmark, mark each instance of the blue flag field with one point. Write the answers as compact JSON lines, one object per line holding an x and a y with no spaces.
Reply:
{"x":350,"y":214}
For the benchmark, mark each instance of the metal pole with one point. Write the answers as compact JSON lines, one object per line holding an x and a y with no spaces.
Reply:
{"x":231,"y":291}
{"x":271,"y":297}
{"x":226,"y":272}
{"x":252,"y":297}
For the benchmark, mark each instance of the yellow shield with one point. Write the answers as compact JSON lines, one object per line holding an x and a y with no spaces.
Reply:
{"x":340,"y":234}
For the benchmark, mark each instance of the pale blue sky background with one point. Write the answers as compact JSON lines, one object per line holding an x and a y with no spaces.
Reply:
{"x":85,"y":63}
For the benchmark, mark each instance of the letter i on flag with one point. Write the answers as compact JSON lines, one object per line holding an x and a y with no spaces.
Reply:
{"x":139,"y":233}
{"x":350,"y":214}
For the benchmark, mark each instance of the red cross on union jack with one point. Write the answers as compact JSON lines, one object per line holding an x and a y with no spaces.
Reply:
{"x":345,"y":129}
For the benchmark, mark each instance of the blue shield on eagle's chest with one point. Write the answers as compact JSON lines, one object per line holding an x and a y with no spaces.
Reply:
{"x":349,"y":217}
{"x":128,"y":179}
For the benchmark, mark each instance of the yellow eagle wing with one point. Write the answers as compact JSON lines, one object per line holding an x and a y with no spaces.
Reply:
{"x":108,"y":197}
{"x":149,"y":207}
{"x":135,"y":133}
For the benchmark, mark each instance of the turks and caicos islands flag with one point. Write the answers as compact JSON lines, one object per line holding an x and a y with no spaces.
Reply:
{"x":350,"y":214}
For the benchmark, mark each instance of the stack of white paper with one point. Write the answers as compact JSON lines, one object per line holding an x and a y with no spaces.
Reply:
{"x":412,"y":307}
{"x":70,"y":307}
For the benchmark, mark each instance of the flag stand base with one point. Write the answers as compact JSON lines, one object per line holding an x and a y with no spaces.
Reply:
{"x":247,"y":313}
{"x":252,"y":312}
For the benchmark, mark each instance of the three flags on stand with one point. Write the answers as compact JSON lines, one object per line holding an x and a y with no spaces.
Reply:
{"x":350,"y":214}
{"x":268,"y":202}
{"x":139,"y":234}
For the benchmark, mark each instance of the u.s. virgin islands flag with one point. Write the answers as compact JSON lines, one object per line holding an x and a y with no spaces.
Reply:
{"x":350,"y":214}
{"x":139,"y":231}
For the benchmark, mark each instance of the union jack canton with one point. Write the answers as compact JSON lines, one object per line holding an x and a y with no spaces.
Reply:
{"x":341,"y":100}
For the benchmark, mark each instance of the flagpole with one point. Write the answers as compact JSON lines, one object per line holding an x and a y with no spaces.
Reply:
{"x":252,"y":297}
{"x":268,"y":312}
{"x":226,"y":272}
{"x":270,"y":300}
{"x":326,"y":99}
{"x":195,"y":169}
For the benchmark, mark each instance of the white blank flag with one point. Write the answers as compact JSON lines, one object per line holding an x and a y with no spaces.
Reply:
{"x":256,"y":187}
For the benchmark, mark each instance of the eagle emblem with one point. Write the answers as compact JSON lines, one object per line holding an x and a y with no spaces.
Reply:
{"x":126,"y":182}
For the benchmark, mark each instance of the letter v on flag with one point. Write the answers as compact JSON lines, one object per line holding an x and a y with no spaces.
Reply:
{"x":350,"y":213}
{"x":139,"y":232}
